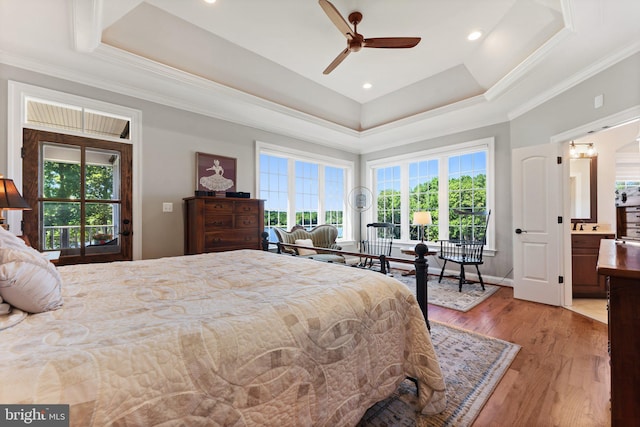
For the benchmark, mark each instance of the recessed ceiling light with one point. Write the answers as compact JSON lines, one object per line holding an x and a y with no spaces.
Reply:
{"x":210,"y":1}
{"x":475,"y":35}
{"x":367,"y":86}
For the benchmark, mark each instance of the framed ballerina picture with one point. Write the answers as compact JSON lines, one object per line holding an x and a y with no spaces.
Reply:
{"x":215,"y":173}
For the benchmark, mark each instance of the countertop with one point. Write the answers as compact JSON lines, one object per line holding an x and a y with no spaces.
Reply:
{"x":619,"y":259}
{"x":590,"y":231}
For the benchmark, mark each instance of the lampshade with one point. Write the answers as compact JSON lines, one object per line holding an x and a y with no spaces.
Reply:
{"x":422,"y":218}
{"x":10,"y":198}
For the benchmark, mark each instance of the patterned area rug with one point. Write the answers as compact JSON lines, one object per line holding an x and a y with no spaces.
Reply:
{"x":472,"y":365}
{"x":446,"y":294}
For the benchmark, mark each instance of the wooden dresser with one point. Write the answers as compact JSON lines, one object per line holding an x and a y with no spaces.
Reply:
{"x":214,"y":224}
{"x":586,"y":283}
{"x":628,"y":222}
{"x":619,"y":263}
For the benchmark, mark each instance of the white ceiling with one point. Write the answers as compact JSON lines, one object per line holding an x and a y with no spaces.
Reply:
{"x":260,"y":63}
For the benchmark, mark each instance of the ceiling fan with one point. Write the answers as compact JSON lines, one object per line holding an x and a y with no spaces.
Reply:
{"x":356,"y":41}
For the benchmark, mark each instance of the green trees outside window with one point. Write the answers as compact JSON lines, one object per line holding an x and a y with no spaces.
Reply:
{"x":61,"y":208}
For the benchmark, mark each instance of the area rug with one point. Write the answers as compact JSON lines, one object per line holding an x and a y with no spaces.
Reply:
{"x":446,"y":294}
{"x":472,"y":365}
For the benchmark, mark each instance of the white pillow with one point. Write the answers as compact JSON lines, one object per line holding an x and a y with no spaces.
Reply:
{"x":28,"y":281}
{"x":305,"y":242}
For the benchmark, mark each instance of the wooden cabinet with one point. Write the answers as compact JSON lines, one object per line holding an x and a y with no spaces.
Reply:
{"x":619,"y":263}
{"x":628,"y":222}
{"x":584,"y":255}
{"x":214,"y":224}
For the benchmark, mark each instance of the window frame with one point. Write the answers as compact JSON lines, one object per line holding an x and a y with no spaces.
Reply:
{"x":442,"y":154}
{"x":292,"y":155}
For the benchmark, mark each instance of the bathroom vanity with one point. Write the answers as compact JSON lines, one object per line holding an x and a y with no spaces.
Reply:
{"x":584,"y":257}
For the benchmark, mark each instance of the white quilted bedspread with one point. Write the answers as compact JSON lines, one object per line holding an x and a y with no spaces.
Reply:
{"x":228,"y":339}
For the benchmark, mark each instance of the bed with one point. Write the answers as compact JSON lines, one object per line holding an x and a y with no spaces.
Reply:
{"x":234,"y":338}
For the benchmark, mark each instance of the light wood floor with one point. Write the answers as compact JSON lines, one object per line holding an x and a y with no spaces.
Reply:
{"x":560,"y":377}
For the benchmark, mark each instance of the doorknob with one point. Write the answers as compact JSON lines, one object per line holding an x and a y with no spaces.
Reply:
{"x":520,"y":231}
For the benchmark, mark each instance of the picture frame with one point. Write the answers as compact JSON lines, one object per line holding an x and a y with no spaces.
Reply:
{"x":215,"y":174}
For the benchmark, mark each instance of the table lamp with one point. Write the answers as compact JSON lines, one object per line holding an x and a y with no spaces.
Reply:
{"x":422,"y":218}
{"x":10,"y":199}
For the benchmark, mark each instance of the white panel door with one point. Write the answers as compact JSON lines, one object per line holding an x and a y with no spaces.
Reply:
{"x":536,"y":234}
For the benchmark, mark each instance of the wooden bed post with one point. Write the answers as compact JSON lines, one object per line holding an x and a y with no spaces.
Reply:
{"x":383,"y":264}
{"x":421,"y":280}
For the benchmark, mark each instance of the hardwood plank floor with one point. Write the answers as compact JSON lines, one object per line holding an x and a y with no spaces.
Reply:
{"x":560,"y":377}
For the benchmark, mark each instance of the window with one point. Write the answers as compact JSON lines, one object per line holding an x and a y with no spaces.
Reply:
{"x":307,"y":187}
{"x":423,"y":196}
{"x":64,"y":202}
{"x":626,"y":186}
{"x":334,"y":187}
{"x":54,"y":115}
{"x":441,"y":181}
{"x":467,"y":191}
{"x":388,"y":196}
{"x":301,"y":190}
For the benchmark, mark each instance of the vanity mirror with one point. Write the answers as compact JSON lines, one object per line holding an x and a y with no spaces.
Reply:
{"x":583,"y":175}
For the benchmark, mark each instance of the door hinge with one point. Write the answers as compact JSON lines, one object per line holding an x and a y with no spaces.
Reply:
{"x":559,"y":160}
{"x":560,"y":279}
{"x":559,"y":220}
{"x":22,"y":152}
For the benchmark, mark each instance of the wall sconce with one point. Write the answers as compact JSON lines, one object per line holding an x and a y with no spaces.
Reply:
{"x":578,"y":150}
{"x":421,"y":219}
{"x":10,"y":199}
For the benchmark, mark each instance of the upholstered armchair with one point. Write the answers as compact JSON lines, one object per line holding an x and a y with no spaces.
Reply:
{"x":322,"y":236}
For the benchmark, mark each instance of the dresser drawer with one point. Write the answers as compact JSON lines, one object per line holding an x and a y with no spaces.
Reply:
{"x":216,"y":207}
{"x":632,"y":217}
{"x":246,"y":208}
{"x":632,"y":233}
{"x":246,"y":221}
{"x":218,"y":240}
{"x":216,"y":221}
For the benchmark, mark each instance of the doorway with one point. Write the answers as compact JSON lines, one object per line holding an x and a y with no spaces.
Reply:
{"x":80,"y":190}
{"x":608,"y":135}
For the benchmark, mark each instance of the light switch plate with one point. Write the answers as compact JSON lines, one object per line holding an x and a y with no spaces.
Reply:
{"x":598,"y":101}
{"x":167,"y":207}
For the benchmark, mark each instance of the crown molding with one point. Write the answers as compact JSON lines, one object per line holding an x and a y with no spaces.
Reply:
{"x":575,"y":79}
{"x":523,"y":68}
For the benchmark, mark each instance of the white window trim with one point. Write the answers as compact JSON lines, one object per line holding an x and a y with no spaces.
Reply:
{"x":18,"y":93}
{"x":305,"y":156}
{"x":441,"y":153}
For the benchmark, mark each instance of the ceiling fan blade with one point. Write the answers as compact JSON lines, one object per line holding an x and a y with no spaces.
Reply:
{"x":336,"y":18}
{"x":391,"y":42}
{"x":336,"y":61}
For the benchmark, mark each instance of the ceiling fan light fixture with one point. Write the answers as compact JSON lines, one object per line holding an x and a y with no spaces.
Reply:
{"x":355,"y":40}
{"x":474,"y":35}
